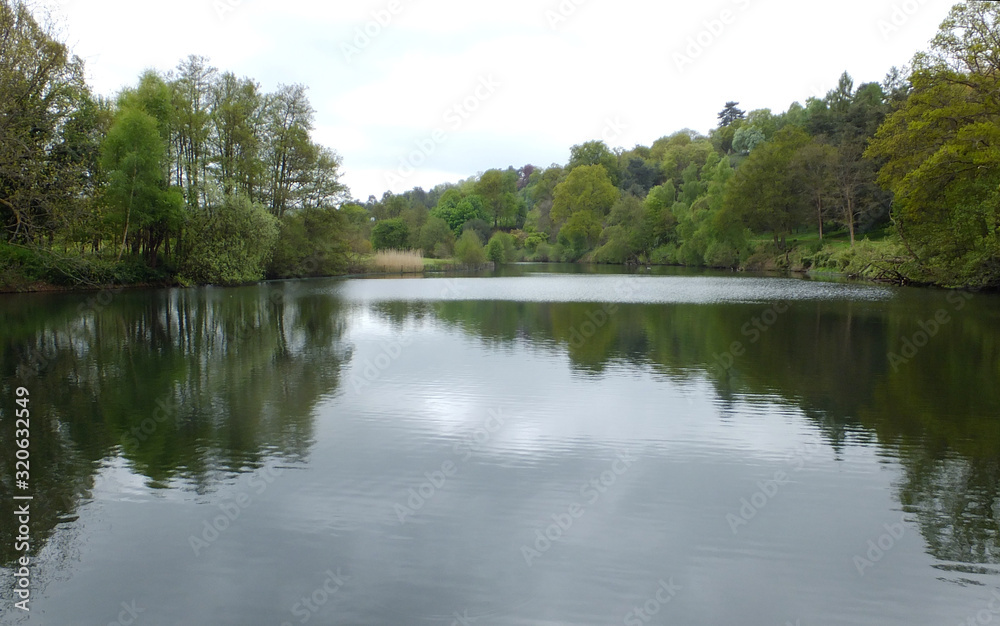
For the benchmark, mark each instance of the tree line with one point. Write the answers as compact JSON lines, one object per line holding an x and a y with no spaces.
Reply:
{"x":909,"y":165}
{"x":196,"y":175}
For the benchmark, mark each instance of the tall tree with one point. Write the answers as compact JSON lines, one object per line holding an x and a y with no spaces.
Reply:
{"x":587,"y":188}
{"x":729,"y":114}
{"x":144,"y":208}
{"x":761,"y":194}
{"x":812,"y":169}
{"x":40,"y":89}
{"x":942,"y":151}
{"x":497,"y":189}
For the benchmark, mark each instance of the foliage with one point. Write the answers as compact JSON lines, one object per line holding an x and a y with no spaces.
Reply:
{"x":587,"y":189}
{"x":500,"y":248}
{"x":469,"y":249}
{"x":392,"y":234}
{"x":436,"y":238}
{"x":312,"y":242}
{"x":942,"y":152}
{"x":230,"y":245}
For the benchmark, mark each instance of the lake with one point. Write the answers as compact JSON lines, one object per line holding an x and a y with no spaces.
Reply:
{"x":542,"y":445}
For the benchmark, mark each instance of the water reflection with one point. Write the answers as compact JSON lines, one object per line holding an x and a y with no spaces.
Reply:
{"x":187,"y":385}
{"x":188,"y":388}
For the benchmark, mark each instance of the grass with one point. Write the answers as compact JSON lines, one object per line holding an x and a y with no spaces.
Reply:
{"x":398,"y":261}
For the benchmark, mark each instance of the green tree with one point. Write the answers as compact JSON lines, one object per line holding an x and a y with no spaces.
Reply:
{"x":144,"y":209}
{"x":391,"y":234}
{"x":762,"y":193}
{"x":469,"y":249}
{"x":312,"y":242}
{"x":942,"y":151}
{"x":594,"y":153}
{"x":812,"y":168}
{"x":580,"y":233}
{"x":747,"y":138}
{"x":41,"y":86}
{"x":587,"y":188}
{"x":500,"y":248}
{"x":437,"y":238}
{"x":729,"y":114}
{"x":497,"y":191}
{"x":231,"y":245}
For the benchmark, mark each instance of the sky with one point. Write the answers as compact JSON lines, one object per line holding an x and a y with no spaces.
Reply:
{"x":420,"y":92}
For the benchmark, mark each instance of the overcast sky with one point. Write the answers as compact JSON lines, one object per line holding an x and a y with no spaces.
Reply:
{"x":443,"y":89}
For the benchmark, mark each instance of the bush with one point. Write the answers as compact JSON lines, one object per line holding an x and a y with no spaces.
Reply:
{"x":312,"y":242}
{"x":664,"y":255}
{"x":469,"y":249}
{"x":500,"y":248}
{"x":231,"y":244}
{"x":436,"y":238}
{"x":720,"y":254}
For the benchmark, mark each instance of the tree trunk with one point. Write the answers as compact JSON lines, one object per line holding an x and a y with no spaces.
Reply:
{"x":850,"y":218}
{"x":820,"y":216}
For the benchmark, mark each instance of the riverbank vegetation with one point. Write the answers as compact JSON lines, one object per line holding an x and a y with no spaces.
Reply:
{"x":199,"y":176}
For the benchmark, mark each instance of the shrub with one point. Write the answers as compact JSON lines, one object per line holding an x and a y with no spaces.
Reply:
{"x":469,"y":249}
{"x":231,"y":244}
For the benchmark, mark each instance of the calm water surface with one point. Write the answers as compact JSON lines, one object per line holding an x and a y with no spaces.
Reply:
{"x":546,"y":446}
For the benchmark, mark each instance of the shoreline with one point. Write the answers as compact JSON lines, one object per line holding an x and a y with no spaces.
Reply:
{"x":803,"y":274}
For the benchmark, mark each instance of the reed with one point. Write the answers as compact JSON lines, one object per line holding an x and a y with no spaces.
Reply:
{"x":399,"y":261}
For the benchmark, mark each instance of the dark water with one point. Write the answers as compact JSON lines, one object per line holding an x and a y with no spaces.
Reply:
{"x":533,"y":448}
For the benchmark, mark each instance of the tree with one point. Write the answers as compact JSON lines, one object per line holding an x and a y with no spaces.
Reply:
{"x":639,"y":176}
{"x":942,"y":151}
{"x":500,"y":248}
{"x":812,"y":169}
{"x":587,"y":188}
{"x":594,"y":153}
{"x":761,"y":194}
{"x":497,"y":190}
{"x":40,"y":88}
{"x":390,"y":234}
{"x":237,"y":134}
{"x":191,"y":115}
{"x":747,"y":138}
{"x":232,"y":245}
{"x":469,"y":249}
{"x":580,"y":233}
{"x":436,"y":238}
{"x":312,"y":242}
{"x":144,"y":208}
{"x":730,"y":114}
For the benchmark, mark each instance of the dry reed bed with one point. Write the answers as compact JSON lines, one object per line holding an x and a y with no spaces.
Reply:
{"x":399,"y":261}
